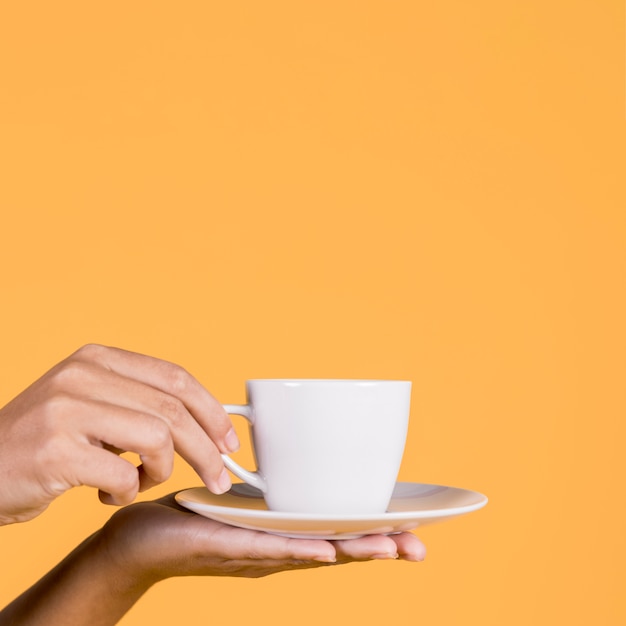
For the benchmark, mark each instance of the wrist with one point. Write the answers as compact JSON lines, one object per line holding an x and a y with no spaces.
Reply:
{"x":90,"y":587}
{"x":122,"y":557}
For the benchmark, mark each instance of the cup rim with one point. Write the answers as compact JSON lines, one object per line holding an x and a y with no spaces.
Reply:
{"x":330,"y":381}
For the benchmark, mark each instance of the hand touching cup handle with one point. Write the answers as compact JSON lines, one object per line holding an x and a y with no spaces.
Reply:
{"x":68,"y":428}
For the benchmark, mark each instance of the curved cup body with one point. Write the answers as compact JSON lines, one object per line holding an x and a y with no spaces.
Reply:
{"x":325,"y":446}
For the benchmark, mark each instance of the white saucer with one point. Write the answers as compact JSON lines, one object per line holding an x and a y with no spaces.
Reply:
{"x":412,"y":505}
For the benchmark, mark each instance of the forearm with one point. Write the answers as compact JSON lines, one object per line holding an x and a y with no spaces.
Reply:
{"x":86,"y":588}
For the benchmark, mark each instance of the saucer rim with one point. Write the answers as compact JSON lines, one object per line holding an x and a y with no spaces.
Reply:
{"x":279,"y":516}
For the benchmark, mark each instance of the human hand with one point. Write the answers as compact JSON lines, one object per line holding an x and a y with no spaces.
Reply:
{"x":69,"y":427}
{"x":144,"y":543}
{"x":151,"y":541}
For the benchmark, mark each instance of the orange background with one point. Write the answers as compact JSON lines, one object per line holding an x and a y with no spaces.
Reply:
{"x":423,"y":190}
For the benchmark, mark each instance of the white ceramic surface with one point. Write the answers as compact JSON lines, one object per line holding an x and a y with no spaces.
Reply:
{"x":412,"y":505}
{"x":325,"y":446}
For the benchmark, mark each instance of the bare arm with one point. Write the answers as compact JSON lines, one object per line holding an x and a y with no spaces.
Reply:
{"x":83,"y":589}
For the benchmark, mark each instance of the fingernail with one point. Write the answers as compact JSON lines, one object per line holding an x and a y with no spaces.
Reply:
{"x":223,"y":482}
{"x":386,"y":555}
{"x":232,"y":441}
{"x":325,"y":559}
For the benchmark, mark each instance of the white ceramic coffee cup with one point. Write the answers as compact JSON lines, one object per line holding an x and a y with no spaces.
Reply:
{"x":329,"y":447}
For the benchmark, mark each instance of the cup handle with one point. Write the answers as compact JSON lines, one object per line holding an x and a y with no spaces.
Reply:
{"x":252,"y":478}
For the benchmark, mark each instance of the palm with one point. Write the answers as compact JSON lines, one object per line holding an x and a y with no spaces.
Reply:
{"x":161,"y":540}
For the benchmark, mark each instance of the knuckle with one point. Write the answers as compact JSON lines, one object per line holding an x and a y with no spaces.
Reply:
{"x":69,"y":374}
{"x":125,"y":479}
{"x":55,"y":452}
{"x":172,"y":409}
{"x":90,"y":352}
{"x":255,"y":548}
{"x":159,"y":437}
{"x":55,"y":412}
{"x":162,"y":471}
{"x":55,"y":431}
{"x":178,"y":379}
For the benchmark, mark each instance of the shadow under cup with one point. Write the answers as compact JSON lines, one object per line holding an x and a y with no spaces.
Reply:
{"x":325,"y":446}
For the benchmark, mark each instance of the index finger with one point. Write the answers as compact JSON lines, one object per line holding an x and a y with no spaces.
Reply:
{"x":172,"y":379}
